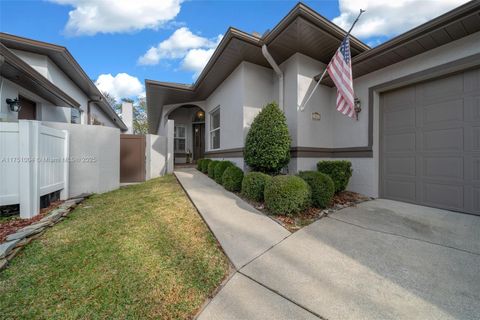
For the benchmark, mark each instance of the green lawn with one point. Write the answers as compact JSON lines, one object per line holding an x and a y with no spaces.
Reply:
{"x":138,"y":252}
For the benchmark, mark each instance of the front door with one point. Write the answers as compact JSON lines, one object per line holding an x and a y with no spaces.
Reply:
{"x":28,"y":110}
{"x":198,"y":140}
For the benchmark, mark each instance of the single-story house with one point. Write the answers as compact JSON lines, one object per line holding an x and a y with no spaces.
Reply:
{"x":58,"y":134}
{"x":417,"y":137}
{"x":50,"y":85}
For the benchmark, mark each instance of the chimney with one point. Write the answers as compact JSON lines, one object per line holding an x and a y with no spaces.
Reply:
{"x":127,"y":116}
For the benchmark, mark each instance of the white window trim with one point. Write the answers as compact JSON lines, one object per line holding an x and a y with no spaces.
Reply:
{"x":213,"y":130}
{"x":184,"y":138}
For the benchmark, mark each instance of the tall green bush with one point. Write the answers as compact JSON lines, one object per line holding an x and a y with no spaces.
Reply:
{"x":253,"y":185}
{"x":287,"y":195}
{"x":205,"y":164}
{"x":211,"y":168}
{"x":220,"y":169}
{"x":339,"y":170}
{"x":267,"y":146}
{"x":232,"y":178}
{"x":322,"y":187}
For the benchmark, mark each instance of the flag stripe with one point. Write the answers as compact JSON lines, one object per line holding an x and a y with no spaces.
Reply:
{"x":340,"y":70}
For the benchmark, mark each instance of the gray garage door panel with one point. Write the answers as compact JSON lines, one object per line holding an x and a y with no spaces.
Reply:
{"x":430,"y":143}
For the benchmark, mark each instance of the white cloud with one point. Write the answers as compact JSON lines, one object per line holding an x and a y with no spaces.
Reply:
{"x":388,"y":18}
{"x":112,"y":16}
{"x":120,"y":86}
{"x":196,"y":59}
{"x":177,"y":46}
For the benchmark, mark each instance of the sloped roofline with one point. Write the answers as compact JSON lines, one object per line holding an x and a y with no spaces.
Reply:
{"x":83,"y":81}
{"x":300,"y":10}
{"x":21,"y":66}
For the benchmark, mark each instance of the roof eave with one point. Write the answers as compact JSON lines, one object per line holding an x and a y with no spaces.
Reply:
{"x":17,"y":63}
{"x":93,"y":93}
{"x":446,"y":18}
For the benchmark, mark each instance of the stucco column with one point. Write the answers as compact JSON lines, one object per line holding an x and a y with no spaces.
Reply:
{"x":127,"y":116}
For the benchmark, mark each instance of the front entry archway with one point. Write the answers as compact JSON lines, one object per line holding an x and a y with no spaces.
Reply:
{"x":189,"y":133}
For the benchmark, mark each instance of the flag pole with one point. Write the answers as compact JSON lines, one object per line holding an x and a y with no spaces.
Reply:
{"x":301,"y":108}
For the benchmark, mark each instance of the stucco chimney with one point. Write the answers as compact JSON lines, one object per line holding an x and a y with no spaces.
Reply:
{"x":127,"y":115}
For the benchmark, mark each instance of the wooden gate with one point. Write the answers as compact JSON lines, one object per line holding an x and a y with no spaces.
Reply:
{"x":132,"y":158}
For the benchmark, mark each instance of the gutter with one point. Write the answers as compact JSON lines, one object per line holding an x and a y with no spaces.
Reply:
{"x":279,"y":73}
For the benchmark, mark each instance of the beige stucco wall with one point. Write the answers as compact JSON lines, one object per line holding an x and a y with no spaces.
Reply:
{"x":94,"y":157}
{"x":346,"y":132}
{"x":52,"y":72}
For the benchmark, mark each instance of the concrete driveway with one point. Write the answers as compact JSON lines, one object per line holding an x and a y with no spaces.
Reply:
{"x":380,"y":260}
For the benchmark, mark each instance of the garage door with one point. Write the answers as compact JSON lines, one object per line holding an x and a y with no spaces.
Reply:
{"x":430,"y":143}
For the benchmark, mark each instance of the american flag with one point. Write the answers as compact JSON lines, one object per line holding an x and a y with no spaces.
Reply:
{"x":340,"y":70}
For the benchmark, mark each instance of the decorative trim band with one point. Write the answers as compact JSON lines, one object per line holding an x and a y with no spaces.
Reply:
{"x":303,"y":152}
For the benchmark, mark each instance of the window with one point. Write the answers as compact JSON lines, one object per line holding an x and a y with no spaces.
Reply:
{"x":215,"y":129}
{"x":75,"y":115}
{"x":180,"y":139}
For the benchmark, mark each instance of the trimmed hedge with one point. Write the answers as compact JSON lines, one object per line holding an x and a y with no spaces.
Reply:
{"x":205,"y":164}
{"x":339,"y":170}
{"x":322,"y":187}
{"x":199,"y":164}
{"x":220,"y":169}
{"x":253,"y":185}
{"x":287,"y":195}
{"x":211,"y":168}
{"x":267,"y":145}
{"x":232,"y":179}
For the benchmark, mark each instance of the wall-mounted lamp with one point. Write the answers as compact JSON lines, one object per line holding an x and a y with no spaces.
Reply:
{"x":14,"y":104}
{"x":200,"y":114}
{"x":358,"y":107}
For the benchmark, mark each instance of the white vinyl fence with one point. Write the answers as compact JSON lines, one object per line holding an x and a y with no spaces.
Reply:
{"x":34,"y":161}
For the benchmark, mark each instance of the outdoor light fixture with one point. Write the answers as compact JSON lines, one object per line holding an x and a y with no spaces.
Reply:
{"x":200,"y":115}
{"x":358,"y":107}
{"x":14,"y":104}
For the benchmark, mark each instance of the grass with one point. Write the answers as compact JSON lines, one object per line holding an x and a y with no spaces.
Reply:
{"x":5,"y":219}
{"x":139,"y":252}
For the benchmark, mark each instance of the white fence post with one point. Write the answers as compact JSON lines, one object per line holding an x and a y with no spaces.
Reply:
{"x":66,"y":165}
{"x":170,"y":146}
{"x":28,"y":158}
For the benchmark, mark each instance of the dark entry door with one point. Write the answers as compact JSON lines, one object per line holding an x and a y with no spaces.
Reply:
{"x":28,"y":110}
{"x":132,"y":158}
{"x":198,"y":140}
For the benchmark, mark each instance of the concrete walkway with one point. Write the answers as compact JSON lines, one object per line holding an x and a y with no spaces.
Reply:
{"x":243,"y":232}
{"x":380,"y":260}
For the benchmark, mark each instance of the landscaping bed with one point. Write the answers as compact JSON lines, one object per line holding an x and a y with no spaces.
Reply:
{"x":10,"y":224}
{"x":293,"y":201}
{"x":341,"y":200}
{"x":140,"y":252}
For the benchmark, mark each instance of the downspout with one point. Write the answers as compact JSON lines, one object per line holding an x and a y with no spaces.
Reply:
{"x":97,"y":100}
{"x":279,"y":73}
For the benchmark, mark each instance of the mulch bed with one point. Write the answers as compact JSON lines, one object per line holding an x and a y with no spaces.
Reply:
{"x":11,"y":226}
{"x":341,"y":200}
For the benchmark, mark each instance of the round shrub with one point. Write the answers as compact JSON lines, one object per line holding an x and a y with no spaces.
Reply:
{"x":199,"y":164}
{"x":211,"y":168}
{"x":339,"y":170}
{"x":287,"y":195}
{"x":232,"y":179}
{"x":322,"y":187}
{"x":220,"y":169}
{"x":205,"y":164}
{"x":253,"y":185}
{"x":267,"y":145}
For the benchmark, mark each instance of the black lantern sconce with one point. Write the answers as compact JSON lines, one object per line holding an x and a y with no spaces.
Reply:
{"x":14,"y":104}
{"x":358,"y":107}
